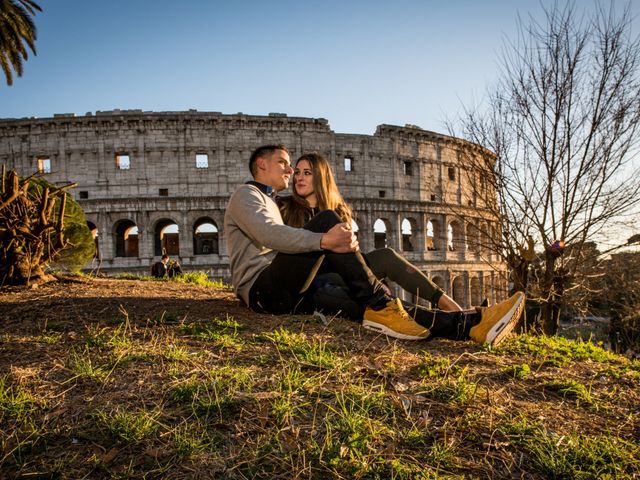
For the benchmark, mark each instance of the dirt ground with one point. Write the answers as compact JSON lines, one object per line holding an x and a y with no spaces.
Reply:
{"x":44,"y":331}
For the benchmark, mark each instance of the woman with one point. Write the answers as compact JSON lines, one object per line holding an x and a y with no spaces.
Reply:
{"x":315,"y":190}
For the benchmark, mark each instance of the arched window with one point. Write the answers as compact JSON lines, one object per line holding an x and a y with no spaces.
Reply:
{"x":407,"y":245}
{"x":126,"y":239}
{"x":379,"y":234}
{"x":354,"y":227}
{"x":205,"y":237}
{"x":432,"y":235}
{"x":166,"y":238}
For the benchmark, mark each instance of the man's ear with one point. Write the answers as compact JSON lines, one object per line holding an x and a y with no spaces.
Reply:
{"x":260,"y":163}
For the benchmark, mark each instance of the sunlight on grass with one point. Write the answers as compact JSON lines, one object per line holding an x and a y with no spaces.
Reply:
{"x":573,"y":456}
{"x":314,"y":352}
{"x":174,"y":353}
{"x":82,"y":365}
{"x":556,"y":351}
{"x":221,"y":332}
{"x":16,"y":402}
{"x":215,"y":393}
{"x":192,"y":278}
{"x":570,"y":389}
{"x":517,"y":371}
{"x":126,"y":425}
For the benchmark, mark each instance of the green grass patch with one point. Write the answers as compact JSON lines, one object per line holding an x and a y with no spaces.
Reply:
{"x":200,"y":278}
{"x":127,"y":426}
{"x":457,"y":390}
{"x":216,"y":393}
{"x":193,"y":278}
{"x":221,"y":332}
{"x":190,"y":438}
{"x":570,"y":389}
{"x":357,"y":428}
{"x":175,"y":353}
{"x":48,"y":337}
{"x":82,"y":365}
{"x":309,"y":352}
{"x":519,"y":372}
{"x":431,"y":366}
{"x":556,"y":351}
{"x":16,"y":402}
{"x":571,"y":456}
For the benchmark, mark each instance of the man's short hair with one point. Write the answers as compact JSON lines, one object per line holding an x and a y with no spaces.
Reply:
{"x":263,"y":151}
{"x":165,"y":257}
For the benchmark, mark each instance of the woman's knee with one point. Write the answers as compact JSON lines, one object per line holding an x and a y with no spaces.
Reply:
{"x":323,"y":221}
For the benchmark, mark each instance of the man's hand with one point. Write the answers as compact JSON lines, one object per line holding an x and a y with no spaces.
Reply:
{"x":339,"y":239}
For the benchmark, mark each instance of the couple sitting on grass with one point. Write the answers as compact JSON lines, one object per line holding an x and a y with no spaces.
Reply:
{"x":311,"y":261}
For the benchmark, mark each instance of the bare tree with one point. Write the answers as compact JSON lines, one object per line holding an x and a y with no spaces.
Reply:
{"x":563,"y":122}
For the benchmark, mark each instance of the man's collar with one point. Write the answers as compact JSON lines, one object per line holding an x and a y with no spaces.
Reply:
{"x":266,"y":189}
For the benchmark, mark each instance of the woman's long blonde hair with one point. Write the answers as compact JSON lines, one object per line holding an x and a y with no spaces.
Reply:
{"x":296,"y":211}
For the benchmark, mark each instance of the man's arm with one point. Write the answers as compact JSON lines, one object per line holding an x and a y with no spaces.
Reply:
{"x":261,"y":222}
{"x":251,"y":212}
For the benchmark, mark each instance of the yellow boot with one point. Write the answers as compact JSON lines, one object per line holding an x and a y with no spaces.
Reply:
{"x":498,"y":320}
{"x":394,"y":321}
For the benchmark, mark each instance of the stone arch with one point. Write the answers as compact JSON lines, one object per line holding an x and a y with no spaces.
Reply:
{"x":380,"y":229}
{"x":127,"y":235}
{"x":476,"y":291}
{"x":205,"y":237}
{"x":166,"y":237}
{"x":454,"y":236}
{"x":408,"y":227}
{"x":458,"y":290}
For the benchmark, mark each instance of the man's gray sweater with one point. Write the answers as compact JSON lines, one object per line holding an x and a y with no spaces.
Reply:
{"x":255,"y":233}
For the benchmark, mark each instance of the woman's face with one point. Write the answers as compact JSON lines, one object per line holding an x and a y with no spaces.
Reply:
{"x":303,"y":179}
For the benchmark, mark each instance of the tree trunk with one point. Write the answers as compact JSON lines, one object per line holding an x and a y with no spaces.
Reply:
{"x":551,"y":310}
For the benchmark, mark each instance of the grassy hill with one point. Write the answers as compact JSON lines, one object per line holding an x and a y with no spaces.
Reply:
{"x":114,"y":378}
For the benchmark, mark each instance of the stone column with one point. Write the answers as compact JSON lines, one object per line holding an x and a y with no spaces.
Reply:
{"x":145,"y":236}
{"x":185,"y":236}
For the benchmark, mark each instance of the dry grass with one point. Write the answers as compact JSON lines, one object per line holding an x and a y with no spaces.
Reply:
{"x":106,"y":378}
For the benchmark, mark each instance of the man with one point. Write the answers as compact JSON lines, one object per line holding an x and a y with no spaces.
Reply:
{"x":272,"y":265}
{"x":159,"y":269}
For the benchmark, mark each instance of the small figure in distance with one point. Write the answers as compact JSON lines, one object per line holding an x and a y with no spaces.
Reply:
{"x":166,"y":268}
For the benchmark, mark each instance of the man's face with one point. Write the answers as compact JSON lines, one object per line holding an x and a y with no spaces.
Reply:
{"x":274,"y":170}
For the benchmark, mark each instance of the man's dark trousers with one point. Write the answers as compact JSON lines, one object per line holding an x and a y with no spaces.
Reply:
{"x":278,"y":288}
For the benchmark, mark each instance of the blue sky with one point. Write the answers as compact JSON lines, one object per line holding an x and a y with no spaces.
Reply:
{"x":357,"y":63}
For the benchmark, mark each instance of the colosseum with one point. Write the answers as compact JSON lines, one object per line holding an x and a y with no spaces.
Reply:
{"x":154,"y":182}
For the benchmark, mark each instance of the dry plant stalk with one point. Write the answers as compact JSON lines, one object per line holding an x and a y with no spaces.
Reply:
{"x":31,"y":227}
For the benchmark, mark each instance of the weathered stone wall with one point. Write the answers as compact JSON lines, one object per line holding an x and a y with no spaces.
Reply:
{"x":398,"y":173}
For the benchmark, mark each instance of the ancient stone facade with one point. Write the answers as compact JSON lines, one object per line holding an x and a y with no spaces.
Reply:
{"x":153,"y":182}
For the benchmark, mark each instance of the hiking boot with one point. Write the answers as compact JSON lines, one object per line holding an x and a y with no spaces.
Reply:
{"x":497,"y":321}
{"x":394,"y":321}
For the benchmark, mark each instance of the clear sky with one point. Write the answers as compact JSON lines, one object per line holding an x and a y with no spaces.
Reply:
{"x":357,"y":63}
